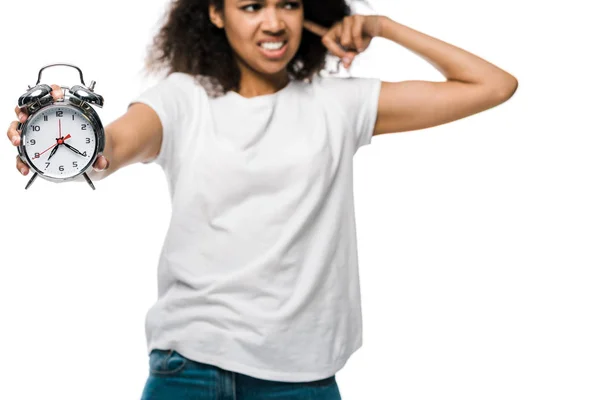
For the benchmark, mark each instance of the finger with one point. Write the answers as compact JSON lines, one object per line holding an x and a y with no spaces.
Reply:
{"x":21,"y":114}
{"x":346,"y":36}
{"x":315,"y":28}
{"x":57,"y":92}
{"x":357,"y":35}
{"x":22,"y":167}
{"x":13,"y":134}
{"x":344,"y":41}
{"x":331,"y":41}
{"x":333,"y":47}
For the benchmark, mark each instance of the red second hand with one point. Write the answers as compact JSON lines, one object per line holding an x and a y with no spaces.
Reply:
{"x":51,"y":147}
{"x":62,"y":140}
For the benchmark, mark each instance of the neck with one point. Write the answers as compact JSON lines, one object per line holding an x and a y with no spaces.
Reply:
{"x":253,"y":84}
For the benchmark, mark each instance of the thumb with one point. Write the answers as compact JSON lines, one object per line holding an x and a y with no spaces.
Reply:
{"x":101,"y":164}
{"x":348,"y":58}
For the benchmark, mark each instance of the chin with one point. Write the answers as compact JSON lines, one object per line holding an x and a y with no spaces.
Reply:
{"x":272,"y":69}
{"x":275,"y":71}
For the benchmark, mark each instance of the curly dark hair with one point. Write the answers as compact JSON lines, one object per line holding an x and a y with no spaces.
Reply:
{"x":189,"y":42}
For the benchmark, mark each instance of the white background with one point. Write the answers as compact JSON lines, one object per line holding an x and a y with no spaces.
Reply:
{"x":478,"y":239}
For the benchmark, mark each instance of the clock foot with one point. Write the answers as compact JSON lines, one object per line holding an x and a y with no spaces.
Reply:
{"x":89,"y":181}
{"x":35,"y":174}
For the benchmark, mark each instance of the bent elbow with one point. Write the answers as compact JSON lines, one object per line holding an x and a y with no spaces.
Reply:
{"x":507,"y":90}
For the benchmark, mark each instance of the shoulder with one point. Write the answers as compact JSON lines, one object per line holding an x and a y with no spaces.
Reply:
{"x":183,"y":80}
{"x":183,"y":87}
{"x":348,"y":93}
{"x":345,"y":88}
{"x":334,"y":82}
{"x":179,"y":77}
{"x":175,"y":94}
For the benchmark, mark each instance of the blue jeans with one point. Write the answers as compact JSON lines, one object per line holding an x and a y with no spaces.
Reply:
{"x":175,"y":377}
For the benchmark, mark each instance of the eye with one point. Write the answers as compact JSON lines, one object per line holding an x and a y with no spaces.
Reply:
{"x":292,"y":5}
{"x":246,"y":7}
{"x":289,"y":5}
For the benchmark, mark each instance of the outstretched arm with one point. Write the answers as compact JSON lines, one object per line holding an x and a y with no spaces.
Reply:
{"x":134,"y":137}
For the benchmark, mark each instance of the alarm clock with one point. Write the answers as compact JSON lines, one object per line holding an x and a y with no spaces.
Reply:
{"x":61,"y":139}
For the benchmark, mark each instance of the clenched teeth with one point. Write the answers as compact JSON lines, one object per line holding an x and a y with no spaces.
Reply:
{"x":272,"y":45}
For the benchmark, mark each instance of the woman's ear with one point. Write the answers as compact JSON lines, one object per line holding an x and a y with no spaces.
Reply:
{"x":216,"y":17}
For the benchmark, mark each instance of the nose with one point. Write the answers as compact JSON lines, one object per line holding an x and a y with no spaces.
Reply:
{"x":272,"y":21}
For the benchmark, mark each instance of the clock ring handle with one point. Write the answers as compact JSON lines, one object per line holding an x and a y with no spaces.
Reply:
{"x":60,"y":64}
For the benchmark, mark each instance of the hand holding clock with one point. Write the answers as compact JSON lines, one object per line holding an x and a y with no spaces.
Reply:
{"x":15,"y":137}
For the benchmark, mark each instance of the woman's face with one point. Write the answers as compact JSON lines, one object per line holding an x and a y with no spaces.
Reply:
{"x":264,"y":34}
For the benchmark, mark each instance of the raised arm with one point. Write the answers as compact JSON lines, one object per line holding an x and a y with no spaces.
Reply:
{"x":413,"y":105}
{"x":473,"y":85}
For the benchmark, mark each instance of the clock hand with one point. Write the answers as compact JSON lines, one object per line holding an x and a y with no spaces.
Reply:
{"x":59,"y":130}
{"x":73,"y":148}
{"x":60,"y":140}
{"x":53,"y":146}
{"x":46,"y":150}
{"x":53,"y":152}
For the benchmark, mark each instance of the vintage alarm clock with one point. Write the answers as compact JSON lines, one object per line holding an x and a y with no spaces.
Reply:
{"x":61,"y":139}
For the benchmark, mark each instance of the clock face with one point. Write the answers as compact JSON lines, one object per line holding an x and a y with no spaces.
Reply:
{"x":60,"y":141}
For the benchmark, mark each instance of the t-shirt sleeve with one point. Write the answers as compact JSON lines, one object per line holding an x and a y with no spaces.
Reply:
{"x":167,"y":99}
{"x":368,"y":90}
{"x":359,"y":98}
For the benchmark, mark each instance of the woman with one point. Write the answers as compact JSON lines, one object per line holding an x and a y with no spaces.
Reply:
{"x":258,"y":290}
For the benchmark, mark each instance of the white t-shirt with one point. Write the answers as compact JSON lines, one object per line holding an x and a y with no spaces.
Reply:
{"x":258,"y":273}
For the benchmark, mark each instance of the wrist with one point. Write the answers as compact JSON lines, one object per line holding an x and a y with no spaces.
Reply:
{"x":383,"y":26}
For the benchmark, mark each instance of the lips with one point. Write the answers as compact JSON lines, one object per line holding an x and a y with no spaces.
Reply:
{"x":274,"y":54}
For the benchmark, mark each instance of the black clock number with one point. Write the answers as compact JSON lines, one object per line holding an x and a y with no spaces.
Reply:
{"x":47,"y":164}
{"x":59,"y":114}
{"x":32,"y":141}
{"x":35,"y":128}
{"x":83,"y":127}
{"x":36,"y":155}
{"x":75,"y":164}
{"x":87,"y":140}
{"x":61,"y":168}
{"x":73,"y":117}
{"x":45,"y":118}
{"x":85,"y":153}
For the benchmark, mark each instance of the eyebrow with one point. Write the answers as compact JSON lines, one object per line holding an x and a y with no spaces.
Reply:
{"x":256,"y":1}
{"x":263,"y":1}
